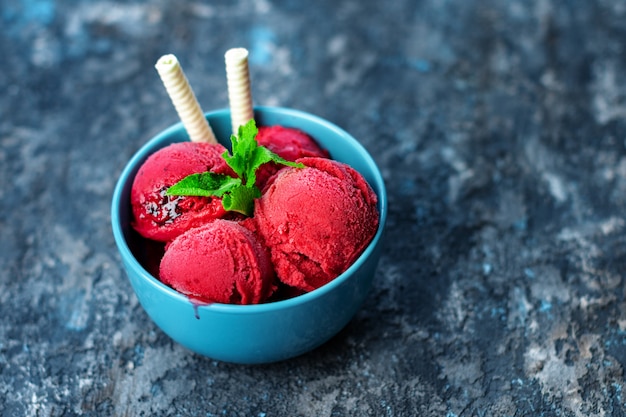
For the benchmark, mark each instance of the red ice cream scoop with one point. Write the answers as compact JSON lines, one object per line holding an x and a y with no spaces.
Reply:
{"x":220,"y":262}
{"x":316,"y":221}
{"x":288,"y":143}
{"x":161,"y":217}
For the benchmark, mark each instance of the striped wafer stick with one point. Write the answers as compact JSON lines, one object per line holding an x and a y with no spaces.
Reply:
{"x":239,"y":92}
{"x":184,"y":99}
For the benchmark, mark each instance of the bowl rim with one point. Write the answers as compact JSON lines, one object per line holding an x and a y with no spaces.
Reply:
{"x":148,"y":148}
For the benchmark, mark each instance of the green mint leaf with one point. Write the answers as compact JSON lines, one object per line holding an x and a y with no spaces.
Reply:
{"x":238,"y":193}
{"x":243,"y":145}
{"x":248,"y":156}
{"x":241,"y":199}
{"x":205,"y":184}
{"x":263,"y":155}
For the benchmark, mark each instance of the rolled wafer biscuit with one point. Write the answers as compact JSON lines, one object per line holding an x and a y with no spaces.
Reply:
{"x":184,"y":99}
{"x":239,"y":92}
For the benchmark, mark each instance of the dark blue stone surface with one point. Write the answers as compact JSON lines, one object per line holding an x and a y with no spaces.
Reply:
{"x":500,"y":127}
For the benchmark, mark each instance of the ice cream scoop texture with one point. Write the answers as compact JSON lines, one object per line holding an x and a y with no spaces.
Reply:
{"x":316,"y":221}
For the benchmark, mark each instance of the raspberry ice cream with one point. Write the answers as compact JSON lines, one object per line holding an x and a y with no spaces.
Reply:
{"x":220,"y":262}
{"x":288,"y":143}
{"x":160,"y":217}
{"x":316,"y":221}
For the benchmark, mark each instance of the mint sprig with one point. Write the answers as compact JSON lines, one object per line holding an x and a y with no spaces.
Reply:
{"x":237,"y":193}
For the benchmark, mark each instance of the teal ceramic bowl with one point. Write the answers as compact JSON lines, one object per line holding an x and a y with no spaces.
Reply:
{"x":262,"y":333}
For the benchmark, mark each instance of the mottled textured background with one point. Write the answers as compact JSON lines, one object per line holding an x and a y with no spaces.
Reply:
{"x":500,"y":127}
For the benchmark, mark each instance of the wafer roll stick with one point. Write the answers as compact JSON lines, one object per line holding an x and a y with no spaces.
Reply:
{"x":239,"y":92}
{"x":184,"y":99}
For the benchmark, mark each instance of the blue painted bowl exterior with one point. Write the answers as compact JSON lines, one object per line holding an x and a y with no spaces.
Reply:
{"x":260,"y":333}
